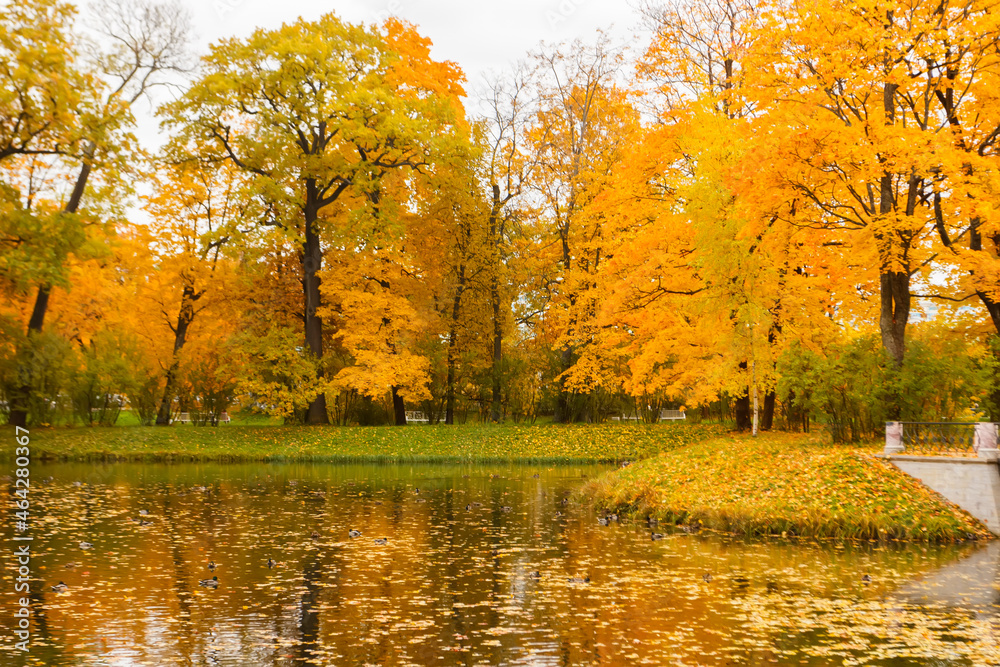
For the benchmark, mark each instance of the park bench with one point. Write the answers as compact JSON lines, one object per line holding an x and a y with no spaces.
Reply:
{"x":183,"y":418}
{"x":224,"y":417}
{"x":416,"y":416}
{"x":672,"y":414}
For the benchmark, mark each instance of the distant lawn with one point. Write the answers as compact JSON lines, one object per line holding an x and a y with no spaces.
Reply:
{"x":782,"y":484}
{"x":478,"y":442}
{"x":129,"y":418}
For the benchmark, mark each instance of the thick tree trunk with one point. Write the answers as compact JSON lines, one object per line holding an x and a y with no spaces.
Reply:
{"x":742,"y":409}
{"x":163,"y":413}
{"x":311,"y":262}
{"x":184,"y":319}
{"x":398,"y":407}
{"x":19,"y":402}
{"x":496,"y":367}
{"x":40,"y":309}
{"x":894,"y":284}
{"x":449,"y":405}
{"x":456,"y":309}
{"x":976,"y":244}
{"x":895,"y":311}
{"x":563,"y":414}
{"x":767,"y":416}
{"x":992,"y":307}
{"x":894,"y":314}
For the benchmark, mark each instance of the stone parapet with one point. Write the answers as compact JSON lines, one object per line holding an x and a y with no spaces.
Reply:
{"x":971,"y":483}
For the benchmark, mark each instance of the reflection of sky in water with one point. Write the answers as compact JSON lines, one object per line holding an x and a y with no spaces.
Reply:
{"x":456,"y":584}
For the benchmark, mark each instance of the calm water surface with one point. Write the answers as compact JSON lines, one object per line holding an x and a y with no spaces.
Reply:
{"x":481,"y":565}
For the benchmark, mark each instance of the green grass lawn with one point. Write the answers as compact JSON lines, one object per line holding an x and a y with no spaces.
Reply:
{"x":230,"y":442}
{"x":782,"y":484}
{"x":129,"y":418}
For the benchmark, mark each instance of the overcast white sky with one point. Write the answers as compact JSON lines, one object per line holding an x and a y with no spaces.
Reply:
{"x":479,"y":36}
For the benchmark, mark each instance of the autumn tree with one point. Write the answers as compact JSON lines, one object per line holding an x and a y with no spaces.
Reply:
{"x":197,"y":208}
{"x":377,"y":291}
{"x":145,"y":40}
{"x":696,"y":64}
{"x":317,"y":109}
{"x":581,"y":118}
{"x":853,"y":119}
{"x":697,"y":52}
{"x":506,"y":166}
{"x":275,"y":374}
{"x":460,"y":247}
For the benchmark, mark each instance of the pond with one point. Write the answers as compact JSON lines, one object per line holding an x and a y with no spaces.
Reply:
{"x":459,"y":565}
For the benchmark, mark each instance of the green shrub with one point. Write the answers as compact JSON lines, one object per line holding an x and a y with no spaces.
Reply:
{"x":855,"y":387}
{"x":36,"y":368}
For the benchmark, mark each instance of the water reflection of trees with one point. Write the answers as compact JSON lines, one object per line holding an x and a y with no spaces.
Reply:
{"x":437,"y":588}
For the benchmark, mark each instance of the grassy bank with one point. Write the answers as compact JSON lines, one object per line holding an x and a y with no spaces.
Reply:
{"x":549,"y":443}
{"x":782,"y":484}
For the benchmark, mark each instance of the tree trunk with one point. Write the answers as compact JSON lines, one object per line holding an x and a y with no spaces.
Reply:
{"x":398,"y":407}
{"x":767,"y":417}
{"x":742,"y":409}
{"x":184,"y":319}
{"x":976,"y":244}
{"x":895,"y":311}
{"x":311,"y":262}
{"x":456,"y":306}
{"x":496,"y":234}
{"x":449,"y":406}
{"x":563,"y":415}
{"x":992,"y":307}
{"x":19,"y":401}
{"x":894,"y":285}
{"x":497,"y":369}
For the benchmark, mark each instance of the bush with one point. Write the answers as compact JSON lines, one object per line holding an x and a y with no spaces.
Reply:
{"x":855,"y":387}
{"x":144,"y":399}
{"x":113,"y":370}
{"x":991,"y":401}
{"x":35,"y":368}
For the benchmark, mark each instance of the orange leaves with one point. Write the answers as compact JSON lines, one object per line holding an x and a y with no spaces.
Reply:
{"x":414,"y":72}
{"x":785,"y":484}
{"x":376,"y":371}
